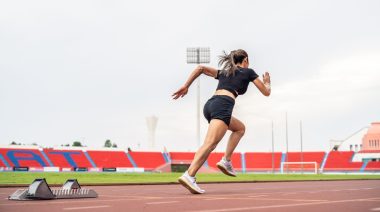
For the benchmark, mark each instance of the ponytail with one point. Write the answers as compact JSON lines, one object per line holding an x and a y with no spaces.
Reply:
{"x":228,"y":61}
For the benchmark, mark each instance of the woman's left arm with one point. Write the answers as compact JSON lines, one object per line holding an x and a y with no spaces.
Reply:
{"x":263,"y":86}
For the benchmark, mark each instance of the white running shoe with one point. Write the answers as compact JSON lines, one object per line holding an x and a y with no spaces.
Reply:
{"x":190,"y":183}
{"x":226,"y":167}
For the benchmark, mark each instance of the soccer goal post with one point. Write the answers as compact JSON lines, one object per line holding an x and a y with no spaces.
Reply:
{"x":299,"y":167}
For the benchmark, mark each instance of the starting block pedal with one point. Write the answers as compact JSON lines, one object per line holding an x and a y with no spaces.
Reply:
{"x":40,"y":190}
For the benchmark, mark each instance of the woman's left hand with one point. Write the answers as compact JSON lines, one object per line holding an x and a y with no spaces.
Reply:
{"x":180,"y":93}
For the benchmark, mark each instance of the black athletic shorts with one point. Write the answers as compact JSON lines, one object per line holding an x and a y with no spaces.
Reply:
{"x":219,"y":107}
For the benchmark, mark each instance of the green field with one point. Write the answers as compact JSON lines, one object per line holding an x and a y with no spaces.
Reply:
{"x":25,"y":178}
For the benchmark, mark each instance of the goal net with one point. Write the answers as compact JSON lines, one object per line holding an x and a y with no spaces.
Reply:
{"x":299,"y":167}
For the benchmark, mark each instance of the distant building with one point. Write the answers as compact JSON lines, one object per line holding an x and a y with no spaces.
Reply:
{"x":364,"y":142}
{"x":371,"y":140}
{"x":352,"y":143}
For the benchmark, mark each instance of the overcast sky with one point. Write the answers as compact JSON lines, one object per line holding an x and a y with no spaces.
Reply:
{"x":94,"y":70}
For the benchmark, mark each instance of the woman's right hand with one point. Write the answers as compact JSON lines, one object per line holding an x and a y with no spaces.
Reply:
{"x":180,"y":93}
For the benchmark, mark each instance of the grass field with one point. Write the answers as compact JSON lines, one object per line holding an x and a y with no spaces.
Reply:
{"x":24,"y":178}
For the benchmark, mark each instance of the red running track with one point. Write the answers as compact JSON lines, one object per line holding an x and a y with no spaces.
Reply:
{"x":316,"y":196}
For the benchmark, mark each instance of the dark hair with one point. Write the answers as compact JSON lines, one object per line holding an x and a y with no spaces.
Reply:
{"x":228,"y":61}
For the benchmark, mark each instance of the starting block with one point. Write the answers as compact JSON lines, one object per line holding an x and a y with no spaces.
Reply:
{"x":40,"y":190}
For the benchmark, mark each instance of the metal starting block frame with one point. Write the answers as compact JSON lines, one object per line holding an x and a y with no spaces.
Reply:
{"x":40,"y":190}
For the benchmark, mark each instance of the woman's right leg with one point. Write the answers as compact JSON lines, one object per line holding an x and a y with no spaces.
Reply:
{"x":215,"y":133}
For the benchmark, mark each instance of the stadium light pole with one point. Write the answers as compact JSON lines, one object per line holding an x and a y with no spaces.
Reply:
{"x":272,"y":126}
{"x":301,"y":147}
{"x":198,"y":55}
{"x":286,"y":127}
{"x":272,"y":149}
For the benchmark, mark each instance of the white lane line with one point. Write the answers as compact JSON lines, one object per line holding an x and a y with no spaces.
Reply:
{"x":88,"y":207}
{"x":286,"y":205}
{"x":296,"y":200}
{"x":71,"y":202}
{"x":233,"y":198}
{"x":258,"y":196}
{"x":375,"y":209}
{"x":131,"y":196}
{"x":157,"y":203}
{"x":288,"y":193}
{"x":219,"y":198}
{"x":313,"y":192}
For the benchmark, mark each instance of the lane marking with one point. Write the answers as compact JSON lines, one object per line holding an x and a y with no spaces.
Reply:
{"x":157,"y":203}
{"x":70,"y":202}
{"x":375,"y":209}
{"x":234,"y":198}
{"x":239,"y":194}
{"x":88,"y":207}
{"x":297,"y":200}
{"x":313,"y":192}
{"x":220,"y":198}
{"x":287,"y":205}
{"x":132,"y":196}
{"x":290,"y":193}
{"x":259,"y":196}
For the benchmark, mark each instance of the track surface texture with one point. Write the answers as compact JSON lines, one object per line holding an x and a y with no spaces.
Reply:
{"x":363,"y":195}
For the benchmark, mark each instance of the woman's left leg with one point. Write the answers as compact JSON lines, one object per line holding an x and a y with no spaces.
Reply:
{"x":238,"y":129}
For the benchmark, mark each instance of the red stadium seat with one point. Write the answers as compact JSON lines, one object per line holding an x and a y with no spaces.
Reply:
{"x":185,"y":157}
{"x":67,"y":158}
{"x":341,"y":161}
{"x":306,"y":157}
{"x":373,"y":166}
{"x":21,"y":157}
{"x":262,"y":161}
{"x":110,"y":158}
{"x":148,"y":160}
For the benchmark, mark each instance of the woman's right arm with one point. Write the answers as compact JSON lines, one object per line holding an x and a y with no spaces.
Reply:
{"x":212,"y":72}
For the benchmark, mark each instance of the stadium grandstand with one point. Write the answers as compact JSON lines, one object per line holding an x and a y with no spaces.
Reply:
{"x":32,"y":158}
{"x":84,"y":159}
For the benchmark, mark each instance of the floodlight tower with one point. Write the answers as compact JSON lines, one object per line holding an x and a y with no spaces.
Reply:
{"x":198,"y":55}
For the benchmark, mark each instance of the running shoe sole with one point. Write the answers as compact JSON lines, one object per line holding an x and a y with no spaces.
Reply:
{"x":224,"y":170}
{"x":186,"y":184}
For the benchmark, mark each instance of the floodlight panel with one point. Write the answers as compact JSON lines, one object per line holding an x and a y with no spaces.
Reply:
{"x":198,"y":55}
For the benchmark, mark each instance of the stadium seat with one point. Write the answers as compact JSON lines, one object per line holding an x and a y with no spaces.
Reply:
{"x":148,"y":160}
{"x":110,"y":158}
{"x":262,"y":161}
{"x":341,"y":161}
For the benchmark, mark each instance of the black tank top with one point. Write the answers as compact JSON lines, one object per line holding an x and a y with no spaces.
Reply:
{"x":238,"y":83}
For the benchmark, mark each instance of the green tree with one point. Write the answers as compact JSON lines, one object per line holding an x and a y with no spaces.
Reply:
{"x":77,"y":143}
{"x":114,"y":145}
{"x":14,"y":143}
{"x":108,"y":143}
